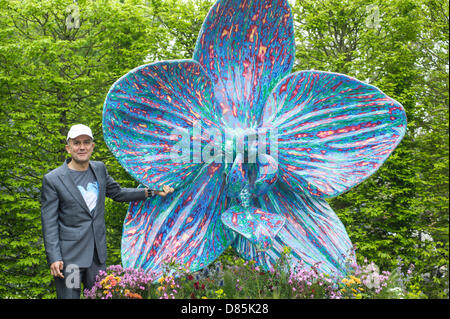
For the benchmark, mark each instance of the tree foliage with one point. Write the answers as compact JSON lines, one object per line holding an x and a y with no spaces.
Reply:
{"x":58,"y":60}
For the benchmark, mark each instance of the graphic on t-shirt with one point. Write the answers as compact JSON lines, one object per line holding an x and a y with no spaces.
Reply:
{"x":90,"y":194}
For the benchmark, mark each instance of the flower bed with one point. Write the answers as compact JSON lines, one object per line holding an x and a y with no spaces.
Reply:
{"x":118,"y":283}
{"x":232,"y":277}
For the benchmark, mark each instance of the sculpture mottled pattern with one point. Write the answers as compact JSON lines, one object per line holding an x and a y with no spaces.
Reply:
{"x":246,"y":48}
{"x":332,"y":133}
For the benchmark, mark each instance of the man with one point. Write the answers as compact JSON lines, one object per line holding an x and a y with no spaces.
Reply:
{"x":72,"y":214}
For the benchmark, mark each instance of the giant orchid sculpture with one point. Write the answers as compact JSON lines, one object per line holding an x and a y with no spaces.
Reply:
{"x":251,"y":150}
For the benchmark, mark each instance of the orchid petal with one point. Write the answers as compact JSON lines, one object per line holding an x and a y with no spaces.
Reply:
{"x":333,"y":130}
{"x":266,"y":174}
{"x":146,"y":113}
{"x":246,"y":48}
{"x":312,"y":230}
{"x":183,"y":227}
{"x":256,"y":225}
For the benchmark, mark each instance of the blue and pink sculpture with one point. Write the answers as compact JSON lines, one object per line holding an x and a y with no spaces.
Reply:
{"x":251,"y":149}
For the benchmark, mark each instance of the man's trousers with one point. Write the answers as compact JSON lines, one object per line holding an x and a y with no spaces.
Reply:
{"x":69,"y":287}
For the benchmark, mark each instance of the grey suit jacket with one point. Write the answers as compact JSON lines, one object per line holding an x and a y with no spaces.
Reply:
{"x":70,"y":231}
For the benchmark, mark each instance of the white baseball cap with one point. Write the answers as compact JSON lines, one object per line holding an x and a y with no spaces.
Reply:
{"x":79,"y":129}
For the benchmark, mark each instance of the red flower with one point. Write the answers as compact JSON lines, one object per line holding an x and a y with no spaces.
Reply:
{"x":196,"y":285}
{"x":203,"y":286}
{"x":190,"y":277}
{"x":192,"y":295}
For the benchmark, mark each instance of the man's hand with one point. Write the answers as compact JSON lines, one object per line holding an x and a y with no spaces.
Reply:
{"x":56,"y":269}
{"x":166,"y":190}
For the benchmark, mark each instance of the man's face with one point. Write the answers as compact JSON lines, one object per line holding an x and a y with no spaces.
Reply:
{"x":80,"y":148}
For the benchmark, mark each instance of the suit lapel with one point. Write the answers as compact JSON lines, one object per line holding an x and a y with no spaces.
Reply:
{"x":72,"y":188}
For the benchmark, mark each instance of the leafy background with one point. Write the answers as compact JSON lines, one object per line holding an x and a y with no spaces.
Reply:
{"x":53,"y":75}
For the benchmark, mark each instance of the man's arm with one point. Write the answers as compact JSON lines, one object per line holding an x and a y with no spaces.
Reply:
{"x":50,"y":228}
{"x":119,"y":194}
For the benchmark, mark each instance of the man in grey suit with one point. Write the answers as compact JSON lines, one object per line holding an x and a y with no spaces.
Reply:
{"x":72,"y":214}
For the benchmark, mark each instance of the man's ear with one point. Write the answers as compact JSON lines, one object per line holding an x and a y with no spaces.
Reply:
{"x":67,"y":147}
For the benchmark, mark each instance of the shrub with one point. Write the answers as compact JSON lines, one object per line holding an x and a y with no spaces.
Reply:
{"x":232,"y":277}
